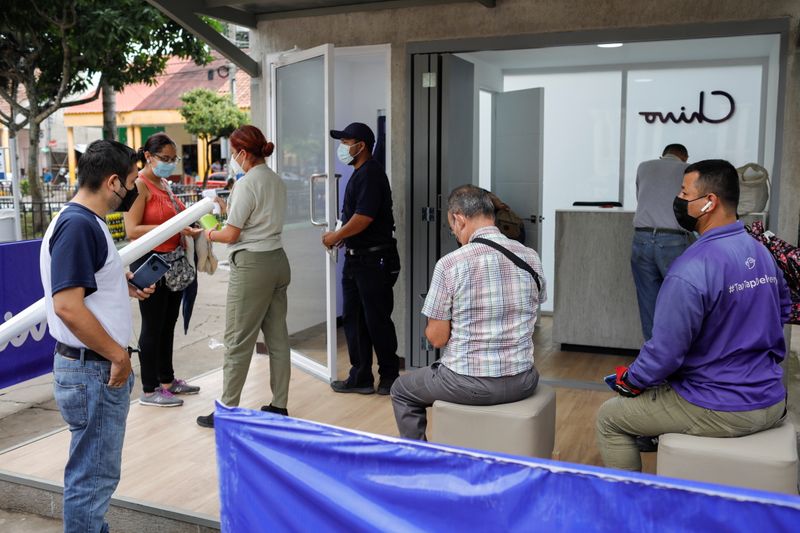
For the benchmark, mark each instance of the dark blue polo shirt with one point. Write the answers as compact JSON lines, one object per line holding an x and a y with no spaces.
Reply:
{"x":368,"y":193}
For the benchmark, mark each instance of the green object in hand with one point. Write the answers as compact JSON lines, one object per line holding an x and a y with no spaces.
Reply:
{"x":209,"y":221}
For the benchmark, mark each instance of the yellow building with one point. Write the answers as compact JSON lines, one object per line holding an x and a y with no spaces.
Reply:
{"x":143,"y":109}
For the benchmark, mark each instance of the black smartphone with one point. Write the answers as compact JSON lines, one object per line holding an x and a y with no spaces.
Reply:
{"x":150,"y":272}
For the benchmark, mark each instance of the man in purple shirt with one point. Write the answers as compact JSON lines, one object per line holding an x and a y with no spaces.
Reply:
{"x":711,"y":367}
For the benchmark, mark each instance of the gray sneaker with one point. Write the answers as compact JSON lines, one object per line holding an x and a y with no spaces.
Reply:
{"x":179,"y":386}
{"x":161,"y":397}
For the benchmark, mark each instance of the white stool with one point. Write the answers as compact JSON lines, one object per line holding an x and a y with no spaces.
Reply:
{"x":766,"y":460}
{"x":526,"y":427}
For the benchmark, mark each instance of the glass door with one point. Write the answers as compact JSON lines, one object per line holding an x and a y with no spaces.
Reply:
{"x":301,"y":108}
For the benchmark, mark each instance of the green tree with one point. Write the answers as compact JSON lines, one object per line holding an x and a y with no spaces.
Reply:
{"x":210,"y":116}
{"x":53,"y":49}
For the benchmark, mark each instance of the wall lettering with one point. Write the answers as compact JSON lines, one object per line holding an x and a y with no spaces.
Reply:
{"x":698,"y":116}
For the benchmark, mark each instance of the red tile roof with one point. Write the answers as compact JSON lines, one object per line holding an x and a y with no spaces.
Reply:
{"x":181,"y":76}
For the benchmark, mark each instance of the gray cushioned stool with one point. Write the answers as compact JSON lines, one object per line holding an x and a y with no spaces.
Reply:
{"x":766,"y":460}
{"x":526,"y":427}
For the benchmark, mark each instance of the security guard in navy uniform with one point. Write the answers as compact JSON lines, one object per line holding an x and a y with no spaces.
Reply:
{"x":371,"y":265}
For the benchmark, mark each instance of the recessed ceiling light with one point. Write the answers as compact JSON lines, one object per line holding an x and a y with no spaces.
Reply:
{"x":609,"y":45}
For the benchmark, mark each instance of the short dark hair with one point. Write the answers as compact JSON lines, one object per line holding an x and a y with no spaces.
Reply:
{"x":470,"y":201}
{"x":103,"y":159}
{"x":676,"y":149}
{"x":719,"y":177}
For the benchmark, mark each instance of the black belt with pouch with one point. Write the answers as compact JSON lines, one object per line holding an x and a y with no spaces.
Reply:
{"x":75,"y":353}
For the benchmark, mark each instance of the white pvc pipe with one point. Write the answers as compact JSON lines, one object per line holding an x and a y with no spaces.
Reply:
{"x":35,"y":314}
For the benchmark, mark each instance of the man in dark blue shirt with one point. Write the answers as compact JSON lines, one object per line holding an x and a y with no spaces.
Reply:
{"x":371,"y":266}
{"x":712,"y":367}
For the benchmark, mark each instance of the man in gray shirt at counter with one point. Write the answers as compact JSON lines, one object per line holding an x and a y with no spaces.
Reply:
{"x":657,"y":239}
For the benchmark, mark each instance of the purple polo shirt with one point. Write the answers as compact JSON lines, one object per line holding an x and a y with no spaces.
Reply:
{"x":718,"y":325}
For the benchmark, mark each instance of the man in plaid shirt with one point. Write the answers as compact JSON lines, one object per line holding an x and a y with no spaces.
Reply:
{"x":481,"y":310}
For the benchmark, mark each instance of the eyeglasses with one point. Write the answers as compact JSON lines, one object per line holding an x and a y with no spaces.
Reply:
{"x":164,"y":159}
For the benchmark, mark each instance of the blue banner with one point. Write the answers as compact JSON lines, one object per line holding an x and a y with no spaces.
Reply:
{"x":284,"y":474}
{"x":30,"y":354}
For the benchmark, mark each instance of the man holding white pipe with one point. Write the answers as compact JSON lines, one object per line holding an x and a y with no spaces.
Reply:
{"x":86,"y":297}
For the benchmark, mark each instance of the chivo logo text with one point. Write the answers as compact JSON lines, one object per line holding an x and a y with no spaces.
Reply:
{"x":37,"y":332}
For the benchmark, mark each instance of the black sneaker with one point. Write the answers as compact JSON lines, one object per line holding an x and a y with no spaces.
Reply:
{"x":277,"y":410}
{"x":647,"y":444}
{"x":206,"y":421}
{"x":385,"y":387}
{"x":346,"y":386}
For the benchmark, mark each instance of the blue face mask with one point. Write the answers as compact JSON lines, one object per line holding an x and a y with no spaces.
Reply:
{"x":161,"y":169}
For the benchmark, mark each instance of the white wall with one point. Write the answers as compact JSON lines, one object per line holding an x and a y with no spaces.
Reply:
{"x":665,"y":90}
{"x":489,"y":78}
{"x":582,"y":117}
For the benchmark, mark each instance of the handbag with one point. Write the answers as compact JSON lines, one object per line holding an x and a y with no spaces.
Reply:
{"x":180,"y":274}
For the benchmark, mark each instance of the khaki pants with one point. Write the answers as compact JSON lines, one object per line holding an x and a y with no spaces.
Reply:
{"x":256,"y":302}
{"x":661,"y":410}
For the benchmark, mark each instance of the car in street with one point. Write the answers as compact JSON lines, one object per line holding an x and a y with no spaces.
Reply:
{"x":216,"y":180}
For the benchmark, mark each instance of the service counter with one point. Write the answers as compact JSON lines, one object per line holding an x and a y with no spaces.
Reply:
{"x":595,"y":299}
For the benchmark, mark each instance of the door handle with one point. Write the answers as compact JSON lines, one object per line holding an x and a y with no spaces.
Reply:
{"x":314,"y":178}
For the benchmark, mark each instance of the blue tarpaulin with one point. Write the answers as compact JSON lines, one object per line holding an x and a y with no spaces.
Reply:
{"x":30,"y":354}
{"x":283,"y":474}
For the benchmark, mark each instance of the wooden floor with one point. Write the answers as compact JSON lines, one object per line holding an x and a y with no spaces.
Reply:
{"x":168,"y":461}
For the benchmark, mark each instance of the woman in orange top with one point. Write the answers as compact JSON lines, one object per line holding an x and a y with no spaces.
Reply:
{"x":155,"y":205}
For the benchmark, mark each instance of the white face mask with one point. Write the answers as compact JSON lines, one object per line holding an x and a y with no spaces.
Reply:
{"x":343,"y":153}
{"x":235,"y":166}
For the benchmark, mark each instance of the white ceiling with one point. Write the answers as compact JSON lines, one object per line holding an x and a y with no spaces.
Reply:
{"x":754,"y":46}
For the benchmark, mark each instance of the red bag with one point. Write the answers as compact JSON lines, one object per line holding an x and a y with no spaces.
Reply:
{"x":788,"y":258}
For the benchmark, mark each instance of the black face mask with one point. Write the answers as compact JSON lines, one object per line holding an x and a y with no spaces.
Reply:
{"x":128,"y":199}
{"x":680,"y":206}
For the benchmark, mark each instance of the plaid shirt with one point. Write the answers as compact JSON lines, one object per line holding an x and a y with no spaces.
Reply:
{"x":491,"y":304}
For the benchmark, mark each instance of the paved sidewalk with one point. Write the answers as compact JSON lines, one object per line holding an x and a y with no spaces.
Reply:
{"x":27,"y":523}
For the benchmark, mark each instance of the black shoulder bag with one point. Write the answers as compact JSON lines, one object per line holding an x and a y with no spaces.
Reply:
{"x":514,"y":259}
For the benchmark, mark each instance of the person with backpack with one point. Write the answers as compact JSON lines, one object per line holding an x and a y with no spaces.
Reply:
{"x":482,"y":307}
{"x":712,"y":366}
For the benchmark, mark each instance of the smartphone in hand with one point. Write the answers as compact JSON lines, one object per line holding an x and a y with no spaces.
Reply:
{"x":150,"y":272}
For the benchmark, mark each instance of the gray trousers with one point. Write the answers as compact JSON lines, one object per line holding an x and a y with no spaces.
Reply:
{"x":661,"y":410}
{"x":415,"y":391}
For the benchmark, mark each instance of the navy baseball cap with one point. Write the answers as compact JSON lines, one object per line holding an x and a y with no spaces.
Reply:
{"x":357,"y":131}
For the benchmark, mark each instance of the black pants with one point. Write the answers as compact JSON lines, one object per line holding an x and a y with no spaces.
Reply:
{"x":367,"y":282}
{"x":159,"y":315}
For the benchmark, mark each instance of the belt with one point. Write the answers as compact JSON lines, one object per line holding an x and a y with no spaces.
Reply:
{"x":367,"y":251}
{"x":75,"y":353}
{"x":662,"y":230}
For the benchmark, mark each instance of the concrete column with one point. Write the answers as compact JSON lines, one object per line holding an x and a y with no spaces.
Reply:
{"x":129,"y":135}
{"x":137,"y":137}
{"x":201,"y":157}
{"x":71,"y":154}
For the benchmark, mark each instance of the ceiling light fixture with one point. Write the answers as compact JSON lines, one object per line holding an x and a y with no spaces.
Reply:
{"x":609,"y":45}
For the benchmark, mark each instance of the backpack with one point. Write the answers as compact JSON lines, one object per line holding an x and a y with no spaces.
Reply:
{"x":788,"y":258}
{"x":509,"y":224}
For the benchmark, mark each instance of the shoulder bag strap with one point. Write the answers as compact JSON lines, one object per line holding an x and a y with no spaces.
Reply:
{"x":166,"y":186}
{"x":514,"y":258}
{"x":165,"y":183}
